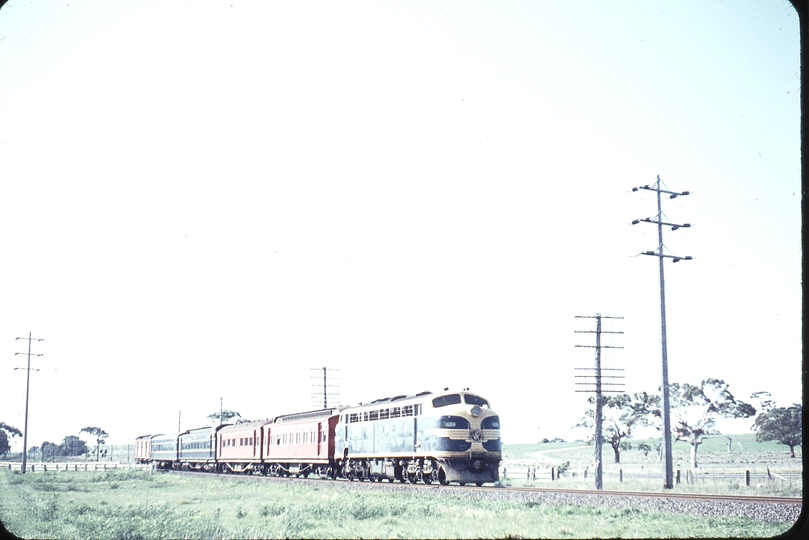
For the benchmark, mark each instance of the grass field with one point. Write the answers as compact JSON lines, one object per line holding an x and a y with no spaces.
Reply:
{"x":720,"y":472}
{"x":139,"y":505}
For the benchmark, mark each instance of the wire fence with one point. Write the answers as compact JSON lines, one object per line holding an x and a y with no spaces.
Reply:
{"x":538,"y":473}
{"x":37,"y":467}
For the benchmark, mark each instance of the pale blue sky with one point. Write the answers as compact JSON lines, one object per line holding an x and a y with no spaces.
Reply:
{"x":205,"y":199}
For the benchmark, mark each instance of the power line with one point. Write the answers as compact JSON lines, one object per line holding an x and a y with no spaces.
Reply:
{"x":667,"y":445}
{"x":27,"y":388}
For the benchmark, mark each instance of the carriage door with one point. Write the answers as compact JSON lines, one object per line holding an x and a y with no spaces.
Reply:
{"x":319,"y":437}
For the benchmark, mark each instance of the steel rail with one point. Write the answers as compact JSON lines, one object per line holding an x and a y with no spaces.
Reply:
{"x":589,"y":492}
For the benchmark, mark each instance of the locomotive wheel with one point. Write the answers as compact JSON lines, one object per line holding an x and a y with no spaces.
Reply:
{"x":442,"y":477}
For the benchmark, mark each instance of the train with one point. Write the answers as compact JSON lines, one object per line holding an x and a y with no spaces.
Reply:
{"x":445,"y":437}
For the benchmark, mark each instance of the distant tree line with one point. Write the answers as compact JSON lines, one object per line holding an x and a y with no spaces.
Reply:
{"x":71,"y":445}
{"x":694,"y":412}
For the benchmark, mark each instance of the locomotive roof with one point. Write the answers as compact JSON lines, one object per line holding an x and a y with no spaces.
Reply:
{"x":412,"y":397}
{"x":396,"y":398}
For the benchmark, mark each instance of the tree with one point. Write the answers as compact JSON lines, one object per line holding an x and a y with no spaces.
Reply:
{"x":99,"y":434}
{"x":5,"y":432}
{"x":73,"y":446}
{"x":781,"y":424}
{"x":621,"y":414}
{"x":695,"y":410}
{"x":224,"y":415}
{"x":50,"y":450}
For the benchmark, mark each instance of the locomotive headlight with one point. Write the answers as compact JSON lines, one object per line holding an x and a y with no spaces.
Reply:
{"x":475,"y":411}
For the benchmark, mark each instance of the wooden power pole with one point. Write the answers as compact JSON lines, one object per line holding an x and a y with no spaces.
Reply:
{"x":599,"y":385}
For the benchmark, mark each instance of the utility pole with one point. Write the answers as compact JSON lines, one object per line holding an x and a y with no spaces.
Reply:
{"x":220,"y":412}
{"x":668,"y":482}
{"x":27,"y":388}
{"x":598,"y":385}
{"x":325,"y":393}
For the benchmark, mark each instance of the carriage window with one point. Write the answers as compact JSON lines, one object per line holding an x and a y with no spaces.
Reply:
{"x":475,"y":400}
{"x":384,"y":414}
{"x":443,"y":401}
{"x":373,"y":415}
{"x":407,"y":410}
{"x":396,"y":412}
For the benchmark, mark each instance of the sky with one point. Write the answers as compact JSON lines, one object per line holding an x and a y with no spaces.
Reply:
{"x":216,"y":199}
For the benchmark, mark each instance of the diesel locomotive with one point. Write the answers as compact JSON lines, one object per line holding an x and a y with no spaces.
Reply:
{"x":442,"y":438}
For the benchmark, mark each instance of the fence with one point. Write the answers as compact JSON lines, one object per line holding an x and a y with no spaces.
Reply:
{"x":538,"y":473}
{"x":85,"y":466}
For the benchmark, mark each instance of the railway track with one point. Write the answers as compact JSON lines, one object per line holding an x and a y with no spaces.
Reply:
{"x":750,"y":499}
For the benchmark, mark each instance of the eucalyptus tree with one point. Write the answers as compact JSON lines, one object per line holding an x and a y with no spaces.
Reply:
{"x":99,"y":434}
{"x":621,"y":414}
{"x":781,"y":424}
{"x":695,"y":410}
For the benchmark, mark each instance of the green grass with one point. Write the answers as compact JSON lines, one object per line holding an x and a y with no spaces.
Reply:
{"x":135,"y":504}
{"x":713,"y":458}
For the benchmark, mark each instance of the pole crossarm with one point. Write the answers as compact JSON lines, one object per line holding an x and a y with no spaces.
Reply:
{"x":663,"y":256}
{"x":673,"y":194}
{"x":674,"y":226}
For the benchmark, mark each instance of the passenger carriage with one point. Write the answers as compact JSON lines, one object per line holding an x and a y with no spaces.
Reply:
{"x":300,"y":444}
{"x":164,"y":451}
{"x":240,"y":447}
{"x":143,"y":448}
{"x":196,"y":448}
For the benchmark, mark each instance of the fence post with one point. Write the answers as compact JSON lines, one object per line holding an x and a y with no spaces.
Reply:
{"x":553,"y":473}
{"x":678,"y":476}
{"x":747,"y":478}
